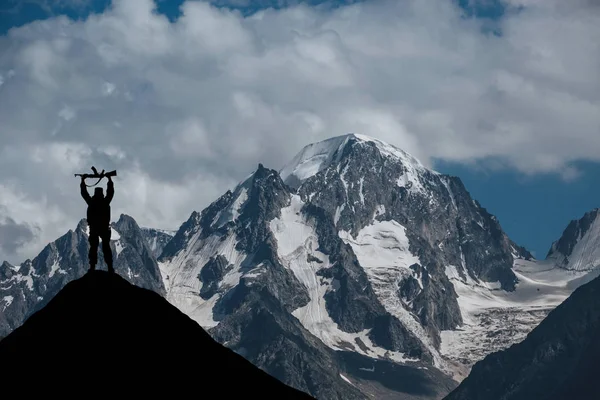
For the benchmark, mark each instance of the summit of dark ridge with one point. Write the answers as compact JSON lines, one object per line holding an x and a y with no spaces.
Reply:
{"x":100,"y":332}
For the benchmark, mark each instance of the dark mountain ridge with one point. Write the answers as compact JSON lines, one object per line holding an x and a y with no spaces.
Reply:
{"x":104,"y":328}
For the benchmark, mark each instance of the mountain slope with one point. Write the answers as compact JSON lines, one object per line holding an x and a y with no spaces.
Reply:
{"x":411,"y":229}
{"x":224,"y":265}
{"x":557,"y":360}
{"x":102,"y":325}
{"x":495,"y":319}
{"x":578,"y":248}
{"x":27,"y":287}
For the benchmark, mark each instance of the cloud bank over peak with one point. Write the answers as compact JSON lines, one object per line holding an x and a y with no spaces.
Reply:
{"x":186,"y":109}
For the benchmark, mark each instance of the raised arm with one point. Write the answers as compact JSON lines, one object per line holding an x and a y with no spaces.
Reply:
{"x":84,"y":192}
{"x":110,"y":190}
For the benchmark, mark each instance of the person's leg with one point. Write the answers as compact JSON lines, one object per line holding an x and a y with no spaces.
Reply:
{"x":93,"y":254}
{"x":107,"y":251}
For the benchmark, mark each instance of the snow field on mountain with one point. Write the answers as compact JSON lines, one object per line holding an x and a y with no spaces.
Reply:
{"x":296,"y":241}
{"x":180,"y":275}
{"x":382,"y":249}
{"x":494,"y":319}
{"x":312,"y":159}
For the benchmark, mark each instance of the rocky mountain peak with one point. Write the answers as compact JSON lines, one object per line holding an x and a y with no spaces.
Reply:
{"x":126,"y":223}
{"x":7,"y":271}
{"x":336,"y":152}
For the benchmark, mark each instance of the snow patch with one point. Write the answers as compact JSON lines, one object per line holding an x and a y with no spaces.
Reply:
{"x":28,"y":279}
{"x":114,"y":235}
{"x":343,"y":179}
{"x":119,"y":247}
{"x":346,"y":379}
{"x":362,"y":196}
{"x":7,"y":300}
{"x":338,"y":213}
{"x":54,"y":267}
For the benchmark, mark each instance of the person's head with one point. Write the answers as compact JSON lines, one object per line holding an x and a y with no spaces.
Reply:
{"x":98,"y":192}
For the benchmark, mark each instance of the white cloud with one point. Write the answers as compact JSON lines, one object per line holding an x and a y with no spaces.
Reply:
{"x":108,"y":88}
{"x":67,"y":113}
{"x":185,"y":110}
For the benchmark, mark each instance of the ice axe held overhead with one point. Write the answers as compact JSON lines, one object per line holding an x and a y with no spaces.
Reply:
{"x":98,"y":175}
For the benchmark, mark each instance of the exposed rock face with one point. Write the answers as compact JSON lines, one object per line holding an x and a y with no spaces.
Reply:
{"x":557,"y":360}
{"x":211,"y":274}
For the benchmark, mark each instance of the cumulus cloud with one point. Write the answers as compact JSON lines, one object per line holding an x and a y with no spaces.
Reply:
{"x":13,"y":235}
{"x":184,"y":110}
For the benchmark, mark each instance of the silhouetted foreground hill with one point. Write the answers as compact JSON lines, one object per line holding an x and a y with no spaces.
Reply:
{"x":559,"y":359}
{"x":104,"y":333}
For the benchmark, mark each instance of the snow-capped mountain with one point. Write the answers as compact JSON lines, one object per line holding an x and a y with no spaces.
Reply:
{"x":28,"y":287}
{"x":354,"y":238}
{"x":578,"y":249}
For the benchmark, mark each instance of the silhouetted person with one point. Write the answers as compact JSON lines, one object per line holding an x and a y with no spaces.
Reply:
{"x":98,"y":218}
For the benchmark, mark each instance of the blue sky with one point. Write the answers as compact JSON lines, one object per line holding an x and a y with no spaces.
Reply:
{"x":20,"y":12}
{"x":533,"y":208}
